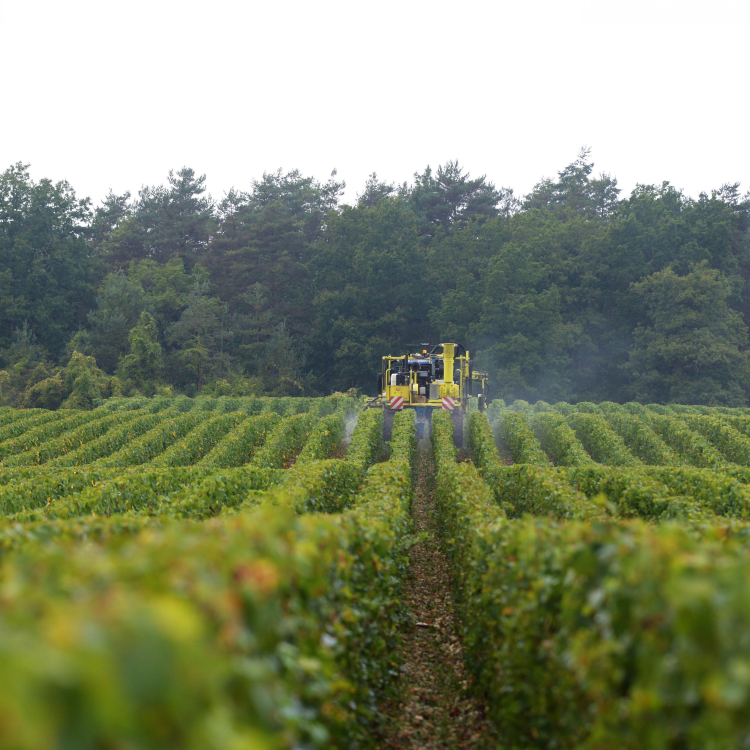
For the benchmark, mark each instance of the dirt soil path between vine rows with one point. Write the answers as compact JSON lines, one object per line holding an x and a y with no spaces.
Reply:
{"x":435,"y":709}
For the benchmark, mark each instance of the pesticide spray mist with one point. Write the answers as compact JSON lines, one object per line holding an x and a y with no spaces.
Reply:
{"x":351,"y":423}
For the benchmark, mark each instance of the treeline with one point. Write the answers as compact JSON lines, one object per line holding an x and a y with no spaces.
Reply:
{"x":569,"y":293}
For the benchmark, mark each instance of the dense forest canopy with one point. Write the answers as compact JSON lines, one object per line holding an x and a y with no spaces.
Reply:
{"x":572,"y":292}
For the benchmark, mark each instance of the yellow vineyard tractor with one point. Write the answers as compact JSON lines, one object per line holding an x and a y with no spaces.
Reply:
{"x":433,"y":377}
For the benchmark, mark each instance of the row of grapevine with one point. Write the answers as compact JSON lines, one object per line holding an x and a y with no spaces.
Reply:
{"x":642,"y":441}
{"x":324,"y":440}
{"x":69,"y":441}
{"x":78,"y":530}
{"x":65,"y":437}
{"x":725,"y":435}
{"x":115,"y":491}
{"x":366,"y":440}
{"x":119,"y":486}
{"x":464,"y":499}
{"x":691,"y":447}
{"x":605,"y":663}
{"x":199,"y":441}
{"x":238,"y":445}
{"x":615,"y":435}
{"x":403,"y":443}
{"x":127,"y":427}
{"x":263,"y":630}
{"x":481,"y":442}
{"x":250,"y":405}
{"x":524,"y":488}
{"x":512,"y":430}
{"x":8,"y":414}
{"x":86,"y":436}
{"x":284,"y":442}
{"x":700,"y":436}
{"x":31,"y":439}
{"x":631,"y":493}
{"x":732,"y":444}
{"x":558,"y":440}
{"x":180,"y":492}
{"x":327,"y":486}
{"x":219,"y":491}
{"x":21,"y":492}
{"x":110,"y":503}
{"x":153,"y":442}
{"x":618,"y":633}
{"x":741,"y":424}
{"x":26,"y":421}
{"x":723,"y":493}
{"x":591,"y":491}
{"x":322,"y":486}
{"x":600,"y":441}
{"x":741,"y":411}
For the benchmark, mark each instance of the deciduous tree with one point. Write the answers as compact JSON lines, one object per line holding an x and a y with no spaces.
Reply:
{"x":693,"y":349}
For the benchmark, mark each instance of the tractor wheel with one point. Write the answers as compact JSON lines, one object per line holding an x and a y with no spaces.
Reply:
{"x":457,"y":417}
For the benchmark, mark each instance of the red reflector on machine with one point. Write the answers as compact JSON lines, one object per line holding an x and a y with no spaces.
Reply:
{"x":397,"y":402}
{"x":449,"y":404}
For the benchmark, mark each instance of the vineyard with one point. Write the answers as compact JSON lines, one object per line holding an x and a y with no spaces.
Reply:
{"x":228,"y":572}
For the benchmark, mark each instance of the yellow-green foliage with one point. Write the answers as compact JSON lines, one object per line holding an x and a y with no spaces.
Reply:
{"x":603,"y":444}
{"x":285,"y":441}
{"x":582,"y":628}
{"x":40,"y":434}
{"x":239,"y":444}
{"x":166,"y":582}
{"x":183,"y":602}
{"x":403,"y":437}
{"x":26,"y":420}
{"x":719,"y":492}
{"x":72,"y":439}
{"x":265,"y":601}
{"x":326,"y":486}
{"x":692,"y":448}
{"x":324,"y":440}
{"x":641,"y":439}
{"x":634,"y":493}
{"x":465,"y":499}
{"x":513,"y":431}
{"x":129,"y":426}
{"x":557,"y":439}
{"x":589,"y":619}
{"x":116,"y":491}
{"x":367,"y":438}
{"x":480,"y":442}
{"x":741,"y":423}
{"x":542,"y":492}
{"x":26,"y":491}
{"x":200,"y":441}
{"x":153,"y":442}
{"x":731,"y":443}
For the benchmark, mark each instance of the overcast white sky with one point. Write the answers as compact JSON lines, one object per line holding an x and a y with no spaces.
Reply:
{"x":114,"y":94}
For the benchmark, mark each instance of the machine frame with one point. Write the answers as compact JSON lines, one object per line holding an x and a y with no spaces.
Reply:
{"x":440,"y":377}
